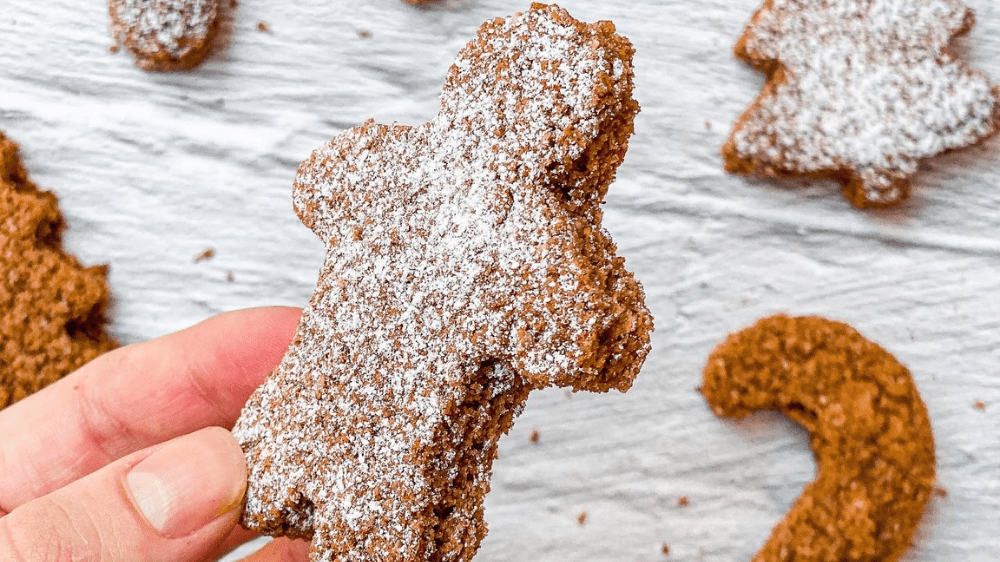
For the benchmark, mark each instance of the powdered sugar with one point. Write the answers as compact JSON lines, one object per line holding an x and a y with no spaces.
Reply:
{"x":466,"y":264}
{"x":864,"y":86}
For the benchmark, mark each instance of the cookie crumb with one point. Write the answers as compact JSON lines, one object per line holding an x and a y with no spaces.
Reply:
{"x":113,"y":49}
{"x":262,"y":26}
{"x":979,"y":405}
{"x":665,"y":549}
{"x":683,"y":501}
{"x":364,"y":33}
{"x":708,"y":125}
{"x":534,"y":436}
{"x":208,"y":254}
{"x":941,"y":492}
{"x":582,"y":518}
{"x":230,"y":277}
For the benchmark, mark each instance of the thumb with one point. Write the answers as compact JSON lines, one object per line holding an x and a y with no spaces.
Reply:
{"x":173,"y":502}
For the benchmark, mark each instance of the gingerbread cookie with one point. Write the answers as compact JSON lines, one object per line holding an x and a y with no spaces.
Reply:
{"x":858,"y":91}
{"x":165,"y":34}
{"x":51,"y":308}
{"x":466,"y":266}
{"x":867,"y":425}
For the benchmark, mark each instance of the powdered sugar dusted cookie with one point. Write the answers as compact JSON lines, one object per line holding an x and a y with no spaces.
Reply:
{"x":51,"y":308}
{"x":466,"y":266}
{"x":867,"y":424}
{"x":165,"y":34}
{"x":859,"y":91}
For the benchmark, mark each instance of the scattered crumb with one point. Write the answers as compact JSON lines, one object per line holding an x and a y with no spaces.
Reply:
{"x":582,"y":518}
{"x":230,"y":277}
{"x":683,"y":501}
{"x":113,"y":49}
{"x":665,"y":549}
{"x":979,"y":405}
{"x":262,"y":26}
{"x":708,"y":125}
{"x":534,"y":436}
{"x":208,"y":254}
{"x":364,"y":33}
{"x":940,"y":492}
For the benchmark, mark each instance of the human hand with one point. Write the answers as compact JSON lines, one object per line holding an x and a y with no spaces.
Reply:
{"x":126,"y":459}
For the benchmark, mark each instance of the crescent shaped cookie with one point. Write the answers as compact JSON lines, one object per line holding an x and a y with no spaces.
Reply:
{"x":466,"y":265}
{"x":868,"y":429}
{"x":51,"y":308}
{"x":859,"y":91}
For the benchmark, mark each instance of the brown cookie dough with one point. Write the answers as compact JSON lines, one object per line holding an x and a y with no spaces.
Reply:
{"x":867,"y":425}
{"x":51,"y":308}
{"x":165,"y":34}
{"x":859,"y":92}
{"x":466,"y":266}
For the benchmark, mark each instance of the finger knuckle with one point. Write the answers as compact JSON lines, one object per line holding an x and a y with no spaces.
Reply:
{"x":44,"y":531}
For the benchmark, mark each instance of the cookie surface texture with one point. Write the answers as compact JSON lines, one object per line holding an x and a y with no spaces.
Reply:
{"x":868,"y":429}
{"x":858,"y":91}
{"x":51,"y":308}
{"x":165,"y":34}
{"x":466,"y":265}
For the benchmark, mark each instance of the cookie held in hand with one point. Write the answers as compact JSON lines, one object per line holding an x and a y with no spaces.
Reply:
{"x":165,"y":34}
{"x":466,"y":265}
{"x":860,"y":92}
{"x":868,"y":428}
{"x":51,"y":307}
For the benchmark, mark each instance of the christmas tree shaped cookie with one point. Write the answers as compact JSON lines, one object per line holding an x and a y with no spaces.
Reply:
{"x":466,"y":265}
{"x":859,"y":91}
{"x":51,"y":308}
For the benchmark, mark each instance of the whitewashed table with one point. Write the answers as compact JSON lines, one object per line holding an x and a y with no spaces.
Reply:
{"x":152,"y":169}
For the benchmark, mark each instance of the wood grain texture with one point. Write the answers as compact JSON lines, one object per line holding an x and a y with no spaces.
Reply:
{"x":151,"y":169}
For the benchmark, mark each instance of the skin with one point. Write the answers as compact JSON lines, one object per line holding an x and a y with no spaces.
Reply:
{"x":75,"y":454}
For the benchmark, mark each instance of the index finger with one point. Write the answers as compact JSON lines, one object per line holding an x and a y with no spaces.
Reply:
{"x":137,"y":396}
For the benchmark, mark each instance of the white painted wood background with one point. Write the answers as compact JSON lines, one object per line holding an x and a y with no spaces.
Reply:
{"x":152,"y":169}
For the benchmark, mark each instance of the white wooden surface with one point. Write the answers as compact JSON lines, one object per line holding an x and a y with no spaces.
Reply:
{"x":151,"y":169}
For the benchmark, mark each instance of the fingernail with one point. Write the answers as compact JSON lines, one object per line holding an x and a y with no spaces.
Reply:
{"x":189,"y":482}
